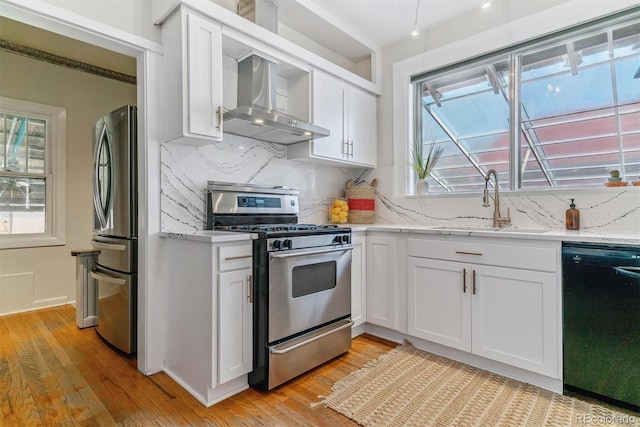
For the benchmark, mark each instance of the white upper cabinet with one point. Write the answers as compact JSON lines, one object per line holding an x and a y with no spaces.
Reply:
{"x":330,"y":111}
{"x":362,"y":130}
{"x":193,"y":78}
{"x":200,"y":82}
{"x":350,"y":114}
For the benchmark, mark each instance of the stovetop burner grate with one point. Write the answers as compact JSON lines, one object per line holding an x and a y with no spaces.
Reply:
{"x":270,"y":228}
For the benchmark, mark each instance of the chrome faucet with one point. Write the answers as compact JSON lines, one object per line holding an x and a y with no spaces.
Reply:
{"x":498,"y":221}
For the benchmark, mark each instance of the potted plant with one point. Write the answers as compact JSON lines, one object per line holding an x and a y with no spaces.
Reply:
{"x":423,"y":165}
{"x":615,"y":176}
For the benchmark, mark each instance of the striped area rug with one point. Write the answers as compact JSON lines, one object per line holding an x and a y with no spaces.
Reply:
{"x":410,"y":387}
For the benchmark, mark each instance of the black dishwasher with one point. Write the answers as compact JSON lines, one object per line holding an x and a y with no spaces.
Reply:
{"x":601,"y":320}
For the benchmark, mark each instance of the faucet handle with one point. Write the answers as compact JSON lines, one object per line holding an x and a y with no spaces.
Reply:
{"x":505,"y":219}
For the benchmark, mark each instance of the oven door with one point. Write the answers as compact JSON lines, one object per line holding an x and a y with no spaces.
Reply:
{"x":308,"y":288}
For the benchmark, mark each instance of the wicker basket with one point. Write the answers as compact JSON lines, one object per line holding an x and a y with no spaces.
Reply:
{"x":361,"y":200}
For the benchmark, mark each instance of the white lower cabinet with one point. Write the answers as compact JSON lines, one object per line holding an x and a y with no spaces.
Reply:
{"x":439,"y":309}
{"x":513,"y":317}
{"x":381,"y":281}
{"x":505,"y":314}
{"x":235,"y":327}
{"x":209,"y":317}
{"x":358,"y":279}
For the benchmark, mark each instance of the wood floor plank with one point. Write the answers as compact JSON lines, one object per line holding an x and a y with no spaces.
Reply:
{"x":48,"y":395}
{"x":52,"y":373}
{"x":18,"y":403}
{"x":82,"y":402}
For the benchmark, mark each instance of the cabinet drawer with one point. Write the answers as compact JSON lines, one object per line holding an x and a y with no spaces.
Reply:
{"x":235,"y":257}
{"x":526,"y":257}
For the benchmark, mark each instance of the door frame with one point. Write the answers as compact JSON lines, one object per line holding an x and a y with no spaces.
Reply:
{"x":148,"y":56}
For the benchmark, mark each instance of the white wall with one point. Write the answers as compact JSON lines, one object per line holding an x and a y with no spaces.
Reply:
{"x":603,"y":210}
{"x":130,"y":16}
{"x":35,"y":277}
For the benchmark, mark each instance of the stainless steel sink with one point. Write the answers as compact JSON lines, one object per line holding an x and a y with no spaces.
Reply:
{"x":484,"y":229}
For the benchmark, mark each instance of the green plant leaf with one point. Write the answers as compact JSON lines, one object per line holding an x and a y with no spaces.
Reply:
{"x":422,"y":165}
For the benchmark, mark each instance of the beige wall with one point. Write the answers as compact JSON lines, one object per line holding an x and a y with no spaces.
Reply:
{"x":36,"y":277}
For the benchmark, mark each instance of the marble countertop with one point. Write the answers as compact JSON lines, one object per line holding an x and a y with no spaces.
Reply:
{"x":511,"y":232}
{"x":209,"y":236}
{"x":488,"y":232}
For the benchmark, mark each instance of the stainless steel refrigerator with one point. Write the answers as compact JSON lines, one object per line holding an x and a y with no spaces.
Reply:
{"x":115,"y":234}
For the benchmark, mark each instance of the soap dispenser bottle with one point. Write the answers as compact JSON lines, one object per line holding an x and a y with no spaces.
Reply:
{"x":572,"y":218}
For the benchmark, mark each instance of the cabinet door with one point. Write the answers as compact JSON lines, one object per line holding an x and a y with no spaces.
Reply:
{"x":362,"y":127}
{"x":381,"y":281}
{"x":235,"y":327}
{"x":358,"y":275}
{"x":204,"y":85}
{"x":439,"y":299}
{"x":514,"y":318}
{"x":329,"y":103}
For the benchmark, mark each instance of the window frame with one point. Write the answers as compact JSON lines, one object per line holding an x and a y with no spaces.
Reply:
{"x":442,"y":59}
{"x":54,"y":175}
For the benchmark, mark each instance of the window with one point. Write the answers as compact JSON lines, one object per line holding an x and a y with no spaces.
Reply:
{"x":32,"y":174}
{"x":569,"y":115}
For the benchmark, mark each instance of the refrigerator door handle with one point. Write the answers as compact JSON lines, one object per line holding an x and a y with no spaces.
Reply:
{"x":108,"y":279}
{"x":97,"y":200}
{"x":112,"y":246}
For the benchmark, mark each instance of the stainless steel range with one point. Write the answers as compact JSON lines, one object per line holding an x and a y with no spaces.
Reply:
{"x":302,"y":280}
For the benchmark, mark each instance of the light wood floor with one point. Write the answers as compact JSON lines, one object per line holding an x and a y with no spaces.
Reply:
{"x":52,"y":373}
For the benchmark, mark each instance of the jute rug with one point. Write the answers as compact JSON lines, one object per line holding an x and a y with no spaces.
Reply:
{"x":410,"y":387}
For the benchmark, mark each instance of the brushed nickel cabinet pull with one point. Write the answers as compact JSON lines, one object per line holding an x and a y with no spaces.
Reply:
{"x":474,"y":282}
{"x":219,"y":117}
{"x":469,"y":253}
{"x":464,"y":280}
{"x":250,"y":296}
{"x":231,"y":258}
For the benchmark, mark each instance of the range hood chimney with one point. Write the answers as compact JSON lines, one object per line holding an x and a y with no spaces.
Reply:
{"x":260,"y":12}
{"x":256,"y":116}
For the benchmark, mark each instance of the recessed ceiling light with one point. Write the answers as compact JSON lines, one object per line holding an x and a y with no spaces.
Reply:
{"x":486,"y":4}
{"x":259,"y":121}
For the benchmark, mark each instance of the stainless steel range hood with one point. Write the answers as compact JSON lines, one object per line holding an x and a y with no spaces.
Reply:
{"x":256,"y":117}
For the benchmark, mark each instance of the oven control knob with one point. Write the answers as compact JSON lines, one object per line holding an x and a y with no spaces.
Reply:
{"x":345,"y":238}
{"x":287,"y":244}
{"x":337,"y":240}
{"x":277,"y":244}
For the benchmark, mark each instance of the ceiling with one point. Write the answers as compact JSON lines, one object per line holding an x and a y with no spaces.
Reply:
{"x":37,"y":38}
{"x":384,"y":22}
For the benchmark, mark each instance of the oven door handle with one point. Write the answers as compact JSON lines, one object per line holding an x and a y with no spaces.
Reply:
{"x":324,"y":251}
{"x":312,"y":339}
